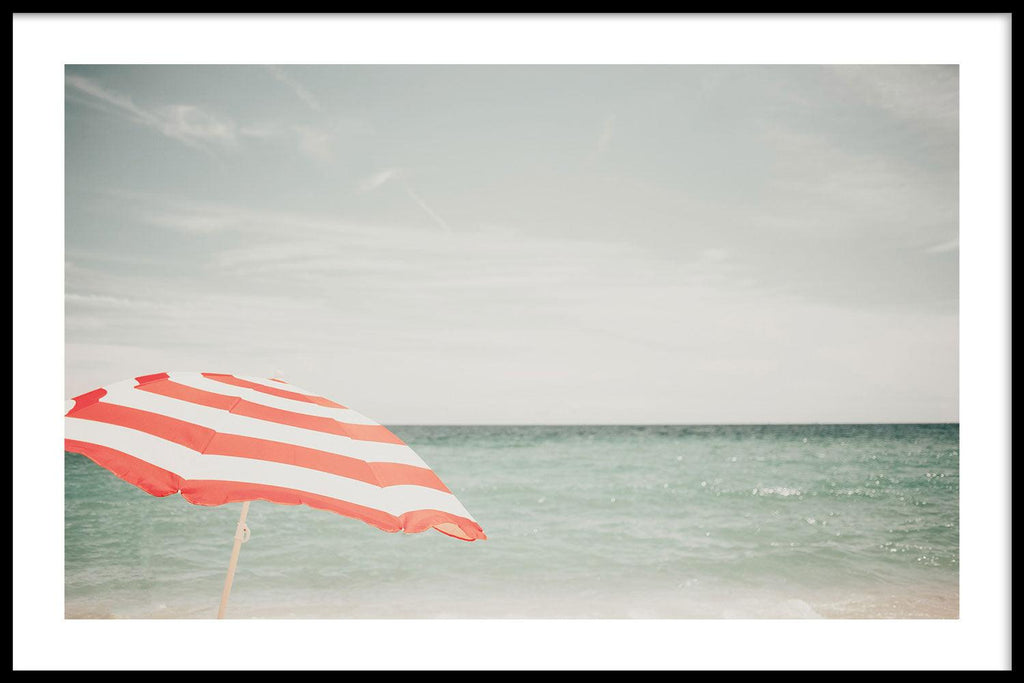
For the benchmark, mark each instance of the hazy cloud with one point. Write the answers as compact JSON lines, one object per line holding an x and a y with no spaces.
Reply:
{"x":605,"y":139}
{"x":188,"y":124}
{"x":942,"y":247}
{"x":429,"y":211}
{"x":377,"y":179}
{"x":303,"y":94}
{"x":315,"y":143}
{"x":927,"y":94}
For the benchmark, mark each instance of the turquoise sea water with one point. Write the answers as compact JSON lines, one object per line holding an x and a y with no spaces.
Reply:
{"x":602,"y":522}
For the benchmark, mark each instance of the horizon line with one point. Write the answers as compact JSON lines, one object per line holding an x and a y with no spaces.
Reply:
{"x":666,"y":424}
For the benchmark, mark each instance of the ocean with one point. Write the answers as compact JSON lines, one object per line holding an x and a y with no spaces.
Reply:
{"x":588,"y":522}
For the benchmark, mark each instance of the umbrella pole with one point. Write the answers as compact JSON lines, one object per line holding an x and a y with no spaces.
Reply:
{"x":241,"y":536}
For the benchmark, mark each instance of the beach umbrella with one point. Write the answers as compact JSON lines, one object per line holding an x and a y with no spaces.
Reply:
{"x":219,"y":438}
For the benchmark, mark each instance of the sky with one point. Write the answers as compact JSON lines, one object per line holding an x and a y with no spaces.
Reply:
{"x":476,"y":244}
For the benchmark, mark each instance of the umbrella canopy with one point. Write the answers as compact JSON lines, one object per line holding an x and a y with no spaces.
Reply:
{"x":217,"y":438}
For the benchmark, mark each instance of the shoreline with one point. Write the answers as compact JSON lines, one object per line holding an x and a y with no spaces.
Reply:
{"x":834,"y":606}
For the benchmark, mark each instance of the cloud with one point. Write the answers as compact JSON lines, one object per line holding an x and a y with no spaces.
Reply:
{"x":951,"y":245}
{"x":822,"y":188}
{"x":262,"y":131}
{"x":303,"y":94}
{"x":386,"y":311}
{"x":925,"y":95}
{"x":197,"y":220}
{"x":98,"y":301}
{"x":429,"y":211}
{"x":378,"y":179}
{"x":315,"y":143}
{"x":193,"y":216}
{"x":197,"y":127}
{"x":188,"y":124}
{"x":714,"y":255}
{"x":604,"y":140}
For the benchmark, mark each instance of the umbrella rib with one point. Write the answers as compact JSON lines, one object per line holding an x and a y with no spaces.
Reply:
{"x":217,"y":431}
{"x":369,"y":466}
{"x":238,"y":399}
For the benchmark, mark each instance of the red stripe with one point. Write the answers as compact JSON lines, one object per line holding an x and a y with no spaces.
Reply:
{"x":85,"y":400}
{"x":273,"y":391}
{"x":168,"y":428}
{"x":381,"y":474}
{"x":205,"y":440}
{"x":401,"y":474}
{"x":328,"y":425}
{"x":160,"y":482}
{"x":198,"y":396}
{"x":148,"y":477}
{"x":240,"y":406}
{"x":146,"y":379}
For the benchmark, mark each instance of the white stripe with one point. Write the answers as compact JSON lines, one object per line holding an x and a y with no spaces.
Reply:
{"x":197,"y":381}
{"x":124,"y":394}
{"x":279,"y":385}
{"x":188,"y":464}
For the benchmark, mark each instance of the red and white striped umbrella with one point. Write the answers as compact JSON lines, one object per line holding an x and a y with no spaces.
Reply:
{"x":218,"y":438}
